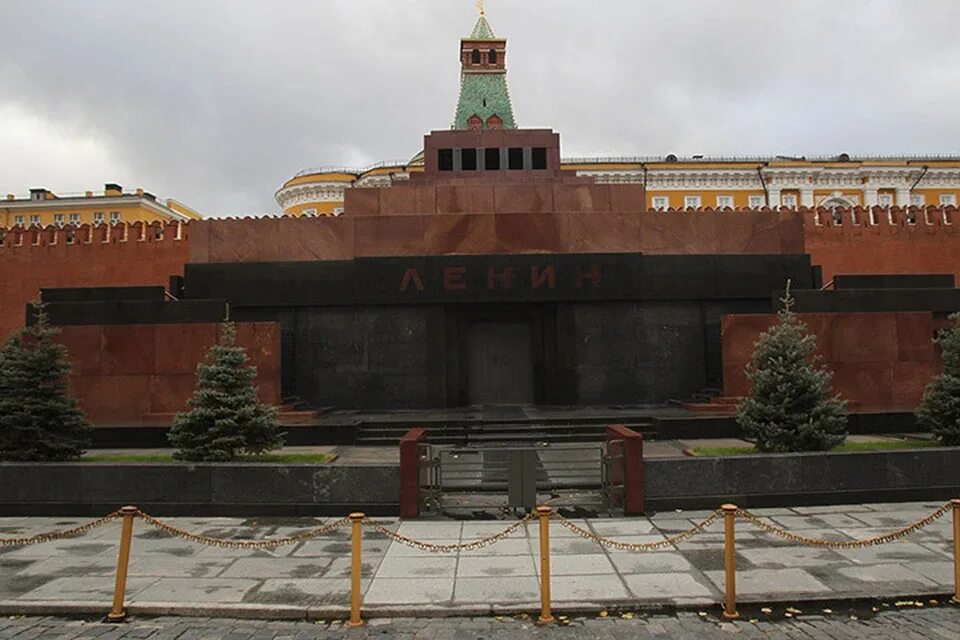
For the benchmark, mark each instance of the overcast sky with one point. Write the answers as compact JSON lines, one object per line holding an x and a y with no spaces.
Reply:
{"x":216,"y":103}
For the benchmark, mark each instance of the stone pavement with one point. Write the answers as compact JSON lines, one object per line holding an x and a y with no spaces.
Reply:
{"x":892,"y":624}
{"x":171,"y":575}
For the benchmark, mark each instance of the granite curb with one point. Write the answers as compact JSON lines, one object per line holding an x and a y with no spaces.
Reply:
{"x":310,"y":613}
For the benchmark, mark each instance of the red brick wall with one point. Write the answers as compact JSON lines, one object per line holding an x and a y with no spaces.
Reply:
{"x":127,"y":374}
{"x":100,"y":256}
{"x":891,"y":246}
{"x":879,"y":360}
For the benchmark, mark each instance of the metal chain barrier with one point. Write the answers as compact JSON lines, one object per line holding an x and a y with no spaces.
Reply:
{"x":243,"y":544}
{"x":449,"y":548}
{"x":698,"y":528}
{"x":843,"y":544}
{"x":60,"y":535}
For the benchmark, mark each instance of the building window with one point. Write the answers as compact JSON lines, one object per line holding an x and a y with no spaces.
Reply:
{"x":491,"y":159}
{"x":661,"y":203}
{"x":917,"y":200}
{"x":310,"y":213}
{"x":789,"y":200}
{"x":475,"y":56}
{"x":515,"y":159}
{"x":691,"y":202}
{"x":445,"y":159}
{"x":948,"y":200}
{"x":18,"y":221}
{"x":74,"y":218}
{"x":468,"y":159}
{"x":724,"y":202}
{"x":885,"y":199}
{"x":114,"y":217}
{"x":492,"y":56}
{"x":756,"y":202}
{"x":35,"y":220}
{"x":98,"y":217}
{"x":58,"y":219}
{"x":539,"y":158}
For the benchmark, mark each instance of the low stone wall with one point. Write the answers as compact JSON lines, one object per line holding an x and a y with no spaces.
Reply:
{"x":198,"y":489}
{"x":293,"y":490}
{"x":794,"y":479}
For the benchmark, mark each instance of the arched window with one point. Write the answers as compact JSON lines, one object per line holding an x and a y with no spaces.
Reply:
{"x":492,"y":56}
{"x":475,"y":56}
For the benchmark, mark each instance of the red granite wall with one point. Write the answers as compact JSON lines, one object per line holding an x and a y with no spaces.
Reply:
{"x":130,"y":375}
{"x":891,"y":245}
{"x":879,"y":360}
{"x":601,"y":231}
{"x":119,"y":255}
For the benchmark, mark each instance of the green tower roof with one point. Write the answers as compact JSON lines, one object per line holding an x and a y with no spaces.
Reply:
{"x":483,"y":30}
{"x":484,"y":94}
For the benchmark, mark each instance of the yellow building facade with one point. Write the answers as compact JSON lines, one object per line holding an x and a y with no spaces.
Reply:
{"x":111,"y":206}
{"x":675,"y":183}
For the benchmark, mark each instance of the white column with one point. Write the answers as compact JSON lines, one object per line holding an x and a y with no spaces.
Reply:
{"x":903,"y":196}
{"x":806,"y":196}
{"x":774,"y":197}
{"x":871,"y":197}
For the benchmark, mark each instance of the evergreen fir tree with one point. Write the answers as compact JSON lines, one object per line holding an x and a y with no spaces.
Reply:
{"x":939,"y":411}
{"x":790,"y":407}
{"x":39,"y":421}
{"x":226,"y":419}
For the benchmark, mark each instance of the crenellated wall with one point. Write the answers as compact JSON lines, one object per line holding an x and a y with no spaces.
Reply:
{"x":105,"y":255}
{"x":889,"y":241}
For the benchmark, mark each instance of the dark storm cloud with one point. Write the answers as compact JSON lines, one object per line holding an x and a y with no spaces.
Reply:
{"x":217,"y":103}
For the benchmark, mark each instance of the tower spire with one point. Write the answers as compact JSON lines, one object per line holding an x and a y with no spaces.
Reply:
{"x":484,"y":96}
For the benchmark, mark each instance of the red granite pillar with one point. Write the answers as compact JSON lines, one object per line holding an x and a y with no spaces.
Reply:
{"x":410,"y":472}
{"x":630,"y":445}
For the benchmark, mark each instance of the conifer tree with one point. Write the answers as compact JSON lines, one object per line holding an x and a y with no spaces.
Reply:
{"x":939,"y":411}
{"x":39,"y":421}
{"x":225,"y":419}
{"x":790,"y":407}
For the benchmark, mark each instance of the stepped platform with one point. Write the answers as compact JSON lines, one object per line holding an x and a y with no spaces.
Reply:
{"x":310,"y":426}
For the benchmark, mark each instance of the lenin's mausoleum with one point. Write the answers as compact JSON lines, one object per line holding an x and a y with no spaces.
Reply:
{"x":489,"y":271}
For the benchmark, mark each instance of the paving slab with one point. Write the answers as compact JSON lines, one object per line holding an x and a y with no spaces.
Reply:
{"x":196,"y":590}
{"x":496,"y":566}
{"x":86,"y":589}
{"x":669,"y":586}
{"x":771,"y":583}
{"x":304,"y":592}
{"x":404,"y":591}
{"x":518,"y":590}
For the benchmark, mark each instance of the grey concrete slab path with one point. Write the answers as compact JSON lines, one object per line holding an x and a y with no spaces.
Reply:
{"x":171,"y":574}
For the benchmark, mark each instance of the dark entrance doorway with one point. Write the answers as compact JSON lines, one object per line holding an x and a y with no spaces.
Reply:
{"x":499,"y":363}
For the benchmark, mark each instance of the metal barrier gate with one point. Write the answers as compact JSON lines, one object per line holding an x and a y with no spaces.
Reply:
{"x":506,"y":476}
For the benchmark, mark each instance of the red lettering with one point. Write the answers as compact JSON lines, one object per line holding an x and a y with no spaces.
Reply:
{"x":411,"y":276}
{"x":593,"y":275}
{"x":505,"y":277}
{"x":545,"y":276}
{"x":453,"y":278}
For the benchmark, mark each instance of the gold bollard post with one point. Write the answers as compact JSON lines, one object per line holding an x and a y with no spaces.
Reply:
{"x":118,"y":612}
{"x":956,"y":551}
{"x":356,"y":520}
{"x":730,"y":562}
{"x":546,"y":616}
